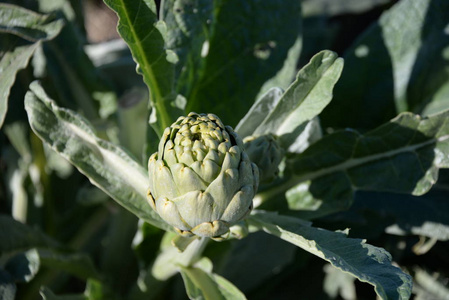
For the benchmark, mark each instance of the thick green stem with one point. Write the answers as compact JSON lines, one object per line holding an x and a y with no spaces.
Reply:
{"x":193,"y":252}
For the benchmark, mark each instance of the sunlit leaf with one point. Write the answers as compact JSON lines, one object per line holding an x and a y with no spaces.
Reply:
{"x":106,"y":165}
{"x":208,"y":286}
{"x":367,"y":263}
{"x":306,"y":97}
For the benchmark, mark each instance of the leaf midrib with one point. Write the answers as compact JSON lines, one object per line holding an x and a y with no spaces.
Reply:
{"x":354,"y":162}
{"x":147,"y":71}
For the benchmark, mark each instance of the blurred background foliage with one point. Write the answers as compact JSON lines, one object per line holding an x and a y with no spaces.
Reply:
{"x":74,"y":233}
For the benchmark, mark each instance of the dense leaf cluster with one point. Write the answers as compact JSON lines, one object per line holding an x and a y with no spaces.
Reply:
{"x":361,"y":135}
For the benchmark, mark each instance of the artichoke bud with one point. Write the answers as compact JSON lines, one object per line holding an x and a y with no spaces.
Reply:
{"x":202,"y":182}
{"x":266,"y":153}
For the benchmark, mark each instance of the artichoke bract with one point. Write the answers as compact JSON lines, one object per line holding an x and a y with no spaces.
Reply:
{"x":201,"y":179}
{"x":266,"y":153}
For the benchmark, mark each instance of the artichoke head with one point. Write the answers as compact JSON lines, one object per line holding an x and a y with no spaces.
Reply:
{"x":201,"y":179}
{"x":266,"y":153}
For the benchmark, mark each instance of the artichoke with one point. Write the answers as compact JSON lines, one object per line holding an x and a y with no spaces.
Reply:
{"x":201,"y":179}
{"x":266,"y":153}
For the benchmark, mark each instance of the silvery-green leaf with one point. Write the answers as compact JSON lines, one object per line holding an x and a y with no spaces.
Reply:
{"x":11,"y":61}
{"x":402,"y":156}
{"x":308,"y":134}
{"x":208,"y":286}
{"x":171,"y":259}
{"x":367,"y":263}
{"x":308,"y":95}
{"x":106,"y":165}
{"x":258,"y":112}
{"x":27,"y":24}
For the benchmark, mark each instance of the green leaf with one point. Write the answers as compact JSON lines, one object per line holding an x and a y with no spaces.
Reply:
{"x":306,"y":97}
{"x":258,"y":112}
{"x":402,"y":156}
{"x":95,"y":290}
{"x":28,"y":24}
{"x":229,"y":49}
{"x":16,"y":236}
{"x":168,"y":262}
{"x":11,"y":61}
{"x":208,"y":286}
{"x":367,"y":263}
{"x":106,"y":165}
{"x":399,"y":64}
{"x":144,"y":34}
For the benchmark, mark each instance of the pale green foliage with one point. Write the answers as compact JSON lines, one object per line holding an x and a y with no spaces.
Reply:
{"x":80,"y":203}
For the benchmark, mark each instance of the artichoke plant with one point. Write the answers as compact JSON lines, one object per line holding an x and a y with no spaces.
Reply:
{"x":266,"y":153}
{"x":201,"y":179}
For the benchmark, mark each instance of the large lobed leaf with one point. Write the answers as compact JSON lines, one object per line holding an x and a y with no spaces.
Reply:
{"x":399,"y":64}
{"x":106,"y":165}
{"x":402,"y":156}
{"x":293,"y":115}
{"x":229,"y":49}
{"x":367,"y":263}
{"x":304,"y":99}
{"x":10,"y":63}
{"x":139,"y":27}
